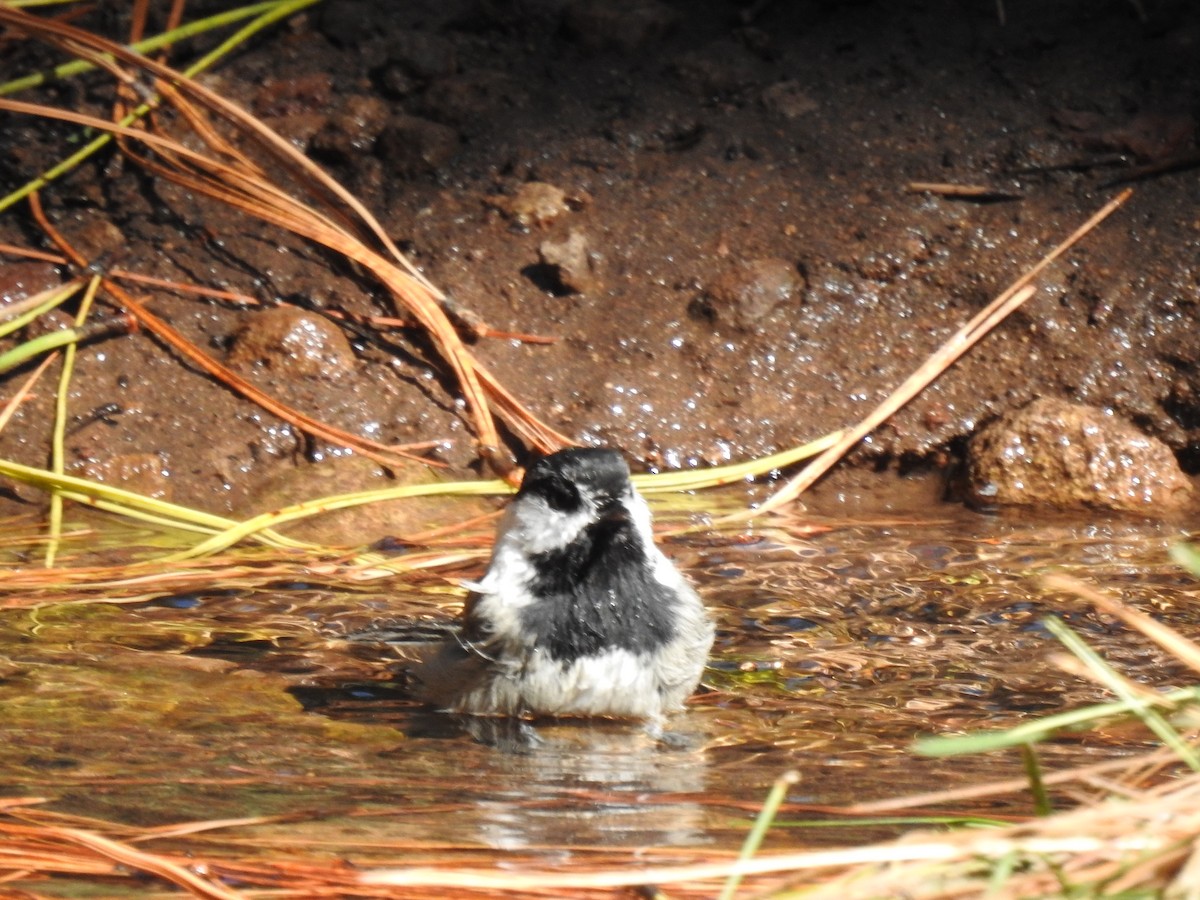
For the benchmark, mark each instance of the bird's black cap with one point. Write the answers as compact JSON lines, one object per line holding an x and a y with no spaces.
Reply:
{"x":560,"y":476}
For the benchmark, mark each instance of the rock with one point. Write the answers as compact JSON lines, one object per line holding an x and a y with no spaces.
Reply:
{"x":1054,"y":453}
{"x":411,"y":146}
{"x":422,"y":54}
{"x":748,"y":293}
{"x":351,"y":131}
{"x":788,"y":100}
{"x":600,"y":25}
{"x":468,"y":99}
{"x":575,"y":267}
{"x":534,"y":203}
{"x":292,"y":342}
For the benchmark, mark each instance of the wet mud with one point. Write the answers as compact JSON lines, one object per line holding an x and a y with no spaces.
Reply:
{"x":709,"y":207}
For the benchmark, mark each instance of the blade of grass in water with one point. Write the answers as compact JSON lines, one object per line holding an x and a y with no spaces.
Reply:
{"x":1043,"y":728}
{"x":129,"y":503}
{"x":1037,"y":785}
{"x":761,"y":824}
{"x":1139,"y":706}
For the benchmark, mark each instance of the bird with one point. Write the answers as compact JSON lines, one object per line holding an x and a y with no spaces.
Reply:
{"x":579,"y":614}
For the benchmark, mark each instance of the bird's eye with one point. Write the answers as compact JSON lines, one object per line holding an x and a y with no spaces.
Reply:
{"x":560,"y":495}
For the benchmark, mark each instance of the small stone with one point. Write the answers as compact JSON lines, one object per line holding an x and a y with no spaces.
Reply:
{"x":575,"y":266}
{"x":469,"y":100}
{"x":788,"y":100}
{"x":292,"y":341}
{"x":411,"y":146}
{"x":600,"y":25}
{"x":1058,"y":454}
{"x":534,"y":203}
{"x":353,"y":129}
{"x":748,"y":293}
{"x":422,"y":54}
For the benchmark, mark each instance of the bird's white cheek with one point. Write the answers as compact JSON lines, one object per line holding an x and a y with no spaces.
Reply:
{"x":532,"y":527}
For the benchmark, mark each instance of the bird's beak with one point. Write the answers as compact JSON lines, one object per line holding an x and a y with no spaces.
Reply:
{"x":615,"y":513}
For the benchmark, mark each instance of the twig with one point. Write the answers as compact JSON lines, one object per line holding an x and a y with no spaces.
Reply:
{"x":958,"y":344}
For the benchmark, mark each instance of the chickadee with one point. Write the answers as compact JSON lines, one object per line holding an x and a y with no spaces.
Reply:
{"x":579,"y":613}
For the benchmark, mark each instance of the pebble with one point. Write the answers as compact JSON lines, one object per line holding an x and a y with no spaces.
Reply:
{"x":411,"y":146}
{"x":534,"y":203}
{"x":600,"y":25}
{"x":293,"y":342}
{"x":576,"y":267}
{"x":746,"y":294}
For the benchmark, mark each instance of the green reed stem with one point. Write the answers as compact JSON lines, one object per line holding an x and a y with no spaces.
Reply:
{"x":1042,"y":804}
{"x":45,"y":343}
{"x":1140,"y":706}
{"x":761,"y":824}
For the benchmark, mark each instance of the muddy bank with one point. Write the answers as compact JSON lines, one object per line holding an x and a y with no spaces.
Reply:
{"x":723,"y":243}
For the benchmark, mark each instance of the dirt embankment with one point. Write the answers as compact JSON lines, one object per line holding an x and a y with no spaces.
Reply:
{"x":707,"y":204}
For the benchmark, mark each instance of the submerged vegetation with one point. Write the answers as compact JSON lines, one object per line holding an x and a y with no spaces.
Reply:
{"x":1129,"y":827}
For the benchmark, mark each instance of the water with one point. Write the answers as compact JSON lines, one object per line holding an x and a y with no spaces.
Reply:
{"x":835,"y":650}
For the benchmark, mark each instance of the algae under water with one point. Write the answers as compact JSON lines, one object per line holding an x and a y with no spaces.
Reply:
{"x":835,"y":649}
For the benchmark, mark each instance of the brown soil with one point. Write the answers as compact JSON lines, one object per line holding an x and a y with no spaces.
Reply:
{"x":732,"y":262}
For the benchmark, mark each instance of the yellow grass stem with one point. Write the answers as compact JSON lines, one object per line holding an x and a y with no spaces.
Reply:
{"x":131,"y":504}
{"x":148,"y":45}
{"x":668,"y":481}
{"x":251,"y":526}
{"x":39,"y":304}
{"x":698,"y":479}
{"x":57,"y":448}
{"x":275,"y":12}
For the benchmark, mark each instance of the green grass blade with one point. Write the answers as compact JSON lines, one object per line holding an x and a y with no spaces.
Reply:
{"x":1187,"y":556}
{"x":43,"y":343}
{"x":149,"y":45}
{"x":54,"y":297}
{"x":1043,"y":728}
{"x":761,"y":824}
{"x":1042,"y":805}
{"x":1139,"y":706}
